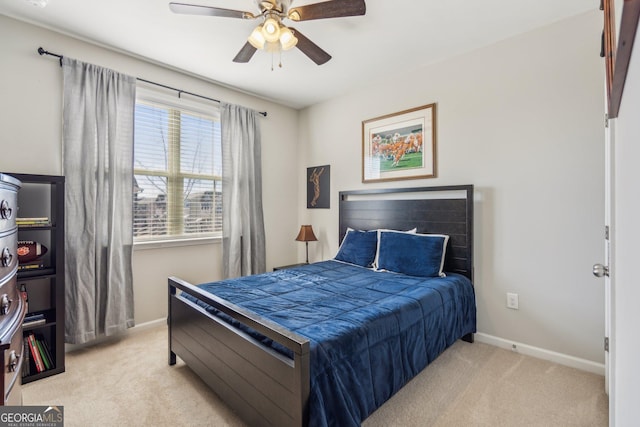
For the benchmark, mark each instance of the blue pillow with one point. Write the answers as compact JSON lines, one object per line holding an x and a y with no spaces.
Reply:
{"x":358,"y":247}
{"x":380,"y":230}
{"x":412,"y":254}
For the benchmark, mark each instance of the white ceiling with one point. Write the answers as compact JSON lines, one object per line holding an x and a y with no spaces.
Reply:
{"x":392,"y":37}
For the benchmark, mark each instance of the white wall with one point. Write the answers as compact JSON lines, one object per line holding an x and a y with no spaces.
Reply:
{"x":522,"y":120}
{"x":31,"y":118}
{"x":626,"y":234}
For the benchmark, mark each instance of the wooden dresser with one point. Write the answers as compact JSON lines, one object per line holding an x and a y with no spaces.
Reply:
{"x":12,"y":306}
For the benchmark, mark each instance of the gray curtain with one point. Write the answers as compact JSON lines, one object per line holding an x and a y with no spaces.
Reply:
{"x":98,"y":122}
{"x":243,"y":248}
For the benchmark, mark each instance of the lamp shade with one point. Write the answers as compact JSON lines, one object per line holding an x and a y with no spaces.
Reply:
{"x":271,"y":30}
{"x":306,"y":234}
{"x":287,"y":39}
{"x":256,"y":38}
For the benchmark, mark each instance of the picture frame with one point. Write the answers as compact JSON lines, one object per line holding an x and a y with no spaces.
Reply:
{"x":318,"y":187}
{"x":400,"y":146}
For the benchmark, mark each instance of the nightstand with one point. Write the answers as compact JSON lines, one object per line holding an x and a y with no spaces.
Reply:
{"x":284,"y":267}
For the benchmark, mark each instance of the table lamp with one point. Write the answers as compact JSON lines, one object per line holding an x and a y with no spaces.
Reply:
{"x":306,"y":235}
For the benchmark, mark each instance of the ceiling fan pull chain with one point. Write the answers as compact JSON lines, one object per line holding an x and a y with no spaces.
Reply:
{"x":280,"y":64}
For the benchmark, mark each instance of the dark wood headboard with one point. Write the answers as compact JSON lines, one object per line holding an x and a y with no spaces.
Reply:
{"x":438,"y":210}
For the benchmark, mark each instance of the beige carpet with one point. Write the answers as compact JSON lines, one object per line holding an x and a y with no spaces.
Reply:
{"x":127,"y":382}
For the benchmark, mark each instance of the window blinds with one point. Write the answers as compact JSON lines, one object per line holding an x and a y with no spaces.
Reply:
{"x":177,"y":169}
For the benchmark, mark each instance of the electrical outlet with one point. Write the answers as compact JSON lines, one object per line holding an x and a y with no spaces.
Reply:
{"x":512,"y":301}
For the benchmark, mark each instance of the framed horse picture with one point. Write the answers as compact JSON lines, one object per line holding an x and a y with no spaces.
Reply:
{"x":400,"y":145}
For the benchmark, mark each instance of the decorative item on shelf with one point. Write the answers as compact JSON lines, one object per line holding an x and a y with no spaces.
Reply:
{"x":29,"y":251}
{"x":306,"y":235}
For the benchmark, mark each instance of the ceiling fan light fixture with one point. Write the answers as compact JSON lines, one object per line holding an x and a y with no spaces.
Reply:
{"x":272,"y":47}
{"x":271,"y":30}
{"x":256,"y":38}
{"x":287,"y":39}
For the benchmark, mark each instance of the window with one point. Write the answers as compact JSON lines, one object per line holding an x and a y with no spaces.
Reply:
{"x":177,"y":190}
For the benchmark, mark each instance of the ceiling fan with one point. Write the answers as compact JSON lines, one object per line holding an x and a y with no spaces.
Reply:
{"x":272,"y":35}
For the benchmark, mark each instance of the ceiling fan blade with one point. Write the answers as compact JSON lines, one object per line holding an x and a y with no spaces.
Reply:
{"x":328,"y":9}
{"x":193,"y":9}
{"x":309,"y":48}
{"x":245,"y":54}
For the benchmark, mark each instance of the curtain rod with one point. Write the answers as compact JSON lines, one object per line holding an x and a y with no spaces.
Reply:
{"x":41,"y":51}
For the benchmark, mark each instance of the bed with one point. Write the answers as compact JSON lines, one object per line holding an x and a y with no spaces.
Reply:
{"x":334,"y":361}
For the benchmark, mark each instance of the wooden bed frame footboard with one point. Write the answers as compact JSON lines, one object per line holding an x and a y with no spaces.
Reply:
{"x":260,"y":384}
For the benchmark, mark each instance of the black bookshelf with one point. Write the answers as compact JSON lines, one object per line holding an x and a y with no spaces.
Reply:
{"x":43,"y":196}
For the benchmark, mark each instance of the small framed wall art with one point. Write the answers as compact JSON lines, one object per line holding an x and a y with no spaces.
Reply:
{"x":318,"y":186}
{"x":400,"y":145}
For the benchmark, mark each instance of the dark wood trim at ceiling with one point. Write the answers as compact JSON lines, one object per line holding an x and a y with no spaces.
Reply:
{"x":628,"y":28}
{"x":608,"y":43}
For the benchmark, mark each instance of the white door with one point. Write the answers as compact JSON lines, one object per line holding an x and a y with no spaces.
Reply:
{"x":624,"y":208}
{"x":624,"y":369}
{"x":605,"y":270}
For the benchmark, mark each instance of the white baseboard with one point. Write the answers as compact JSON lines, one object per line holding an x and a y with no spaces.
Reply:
{"x":541,"y":353}
{"x":148,"y":325}
{"x":136,"y":329}
{"x":528,"y":350}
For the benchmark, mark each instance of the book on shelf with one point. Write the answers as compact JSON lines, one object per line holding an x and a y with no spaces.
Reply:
{"x":35,"y":353}
{"x":34,"y":323}
{"x":45,"y":351}
{"x":33,"y":219}
{"x":39,"y":352}
{"x":34,"y":222}
{"x":35,"y":319}
{"x":26,"y":363}
{"x":33,"y":316}
{"x":43,"y":355}
{"x":30,"y":266}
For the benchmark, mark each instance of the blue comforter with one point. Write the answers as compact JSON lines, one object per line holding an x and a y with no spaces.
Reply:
{"x":370,"y":332}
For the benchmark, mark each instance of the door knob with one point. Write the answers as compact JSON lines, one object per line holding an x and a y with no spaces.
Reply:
{"x":600,"y":270}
